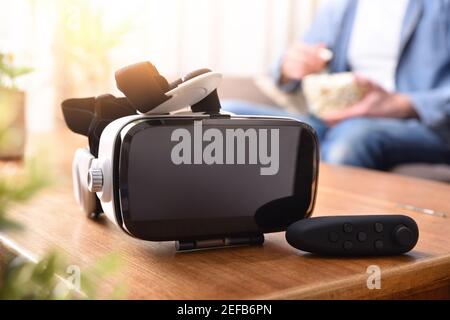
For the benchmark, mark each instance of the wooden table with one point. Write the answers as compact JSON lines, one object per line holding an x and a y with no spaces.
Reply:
{"x":52,"y":220}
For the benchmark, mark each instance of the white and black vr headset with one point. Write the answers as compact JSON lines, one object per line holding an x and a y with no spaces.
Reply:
{"x":165,"y":164}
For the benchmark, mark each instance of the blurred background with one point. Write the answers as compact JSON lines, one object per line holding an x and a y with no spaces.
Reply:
{"x":73,"y":47}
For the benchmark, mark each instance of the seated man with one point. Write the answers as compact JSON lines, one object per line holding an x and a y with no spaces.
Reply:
{"x":400,"y":51}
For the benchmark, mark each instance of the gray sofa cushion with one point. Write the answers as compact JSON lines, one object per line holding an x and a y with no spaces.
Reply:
{"x":438,"y":172}
{"x":241,"y":88}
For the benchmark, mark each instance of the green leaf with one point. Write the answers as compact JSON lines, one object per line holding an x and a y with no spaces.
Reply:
{"x":10,"y":71}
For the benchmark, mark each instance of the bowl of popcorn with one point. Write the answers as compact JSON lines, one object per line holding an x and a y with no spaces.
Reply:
{"x":327,"y":93}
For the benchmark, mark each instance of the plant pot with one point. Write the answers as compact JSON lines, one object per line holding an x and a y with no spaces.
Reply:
{"x":12,"y":124}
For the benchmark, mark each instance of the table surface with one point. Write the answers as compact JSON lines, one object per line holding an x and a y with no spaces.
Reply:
{"x":52,"y":220}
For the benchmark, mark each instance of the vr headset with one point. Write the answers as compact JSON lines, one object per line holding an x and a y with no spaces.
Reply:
{"x":165,"y":164}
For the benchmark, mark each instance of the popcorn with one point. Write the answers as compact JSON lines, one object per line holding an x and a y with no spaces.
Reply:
{"x":331,"y":92}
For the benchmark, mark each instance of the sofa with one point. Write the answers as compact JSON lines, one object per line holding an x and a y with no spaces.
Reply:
{"x":259,"y":90}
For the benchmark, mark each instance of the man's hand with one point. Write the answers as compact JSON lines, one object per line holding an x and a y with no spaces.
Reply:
{"x":300,"y":60}
{"x":377,"y":103}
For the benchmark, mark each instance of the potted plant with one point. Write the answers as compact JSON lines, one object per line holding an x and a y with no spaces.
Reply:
{"x":12,"y":109}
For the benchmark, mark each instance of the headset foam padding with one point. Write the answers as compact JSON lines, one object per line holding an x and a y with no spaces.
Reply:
{"x":78,"y":114}
{"x":143,"y":86}
{"x":90,"y":116}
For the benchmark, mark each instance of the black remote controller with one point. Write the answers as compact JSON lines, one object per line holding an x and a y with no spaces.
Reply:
{"x":370,"y":235}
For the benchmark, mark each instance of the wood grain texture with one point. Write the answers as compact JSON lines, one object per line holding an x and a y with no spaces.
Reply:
{"x":151,"y":270}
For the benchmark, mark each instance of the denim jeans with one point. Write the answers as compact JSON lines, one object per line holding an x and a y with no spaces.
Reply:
{"x":376,"y":143}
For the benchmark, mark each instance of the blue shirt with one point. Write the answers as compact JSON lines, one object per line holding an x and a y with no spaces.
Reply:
{"x":423,"y":69}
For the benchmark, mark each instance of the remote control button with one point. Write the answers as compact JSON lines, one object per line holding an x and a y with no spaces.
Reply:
{"x":403,"y":235}
{"x":379,"y":244}
{"x":348,"y":227}
{"x":333,"y":236}
{"x":362,"y":236}
{"x":348,"y":245}
{"x":379,"y":227}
